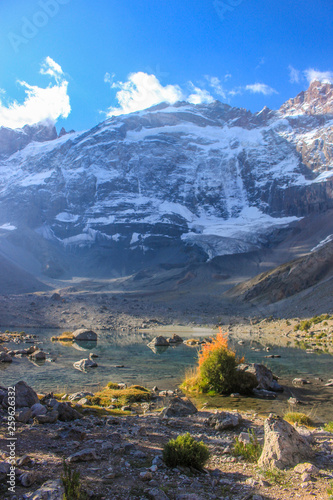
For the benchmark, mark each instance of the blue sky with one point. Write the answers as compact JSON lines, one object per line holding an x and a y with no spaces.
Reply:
{"x":79,"y":61}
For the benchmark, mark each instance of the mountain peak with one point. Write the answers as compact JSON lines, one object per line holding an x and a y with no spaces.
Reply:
{"x":316,"y":100}
{"x":12,"y":140}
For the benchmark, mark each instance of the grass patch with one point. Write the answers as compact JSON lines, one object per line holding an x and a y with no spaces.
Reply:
{"x":64,"y":337}
{"x":328,"y":427}
{"x":302,"y":419}
{"x":249,"y":451}
{"x":100,"y":411}
{"x":275,"y":476}
{"x":185,"y":451}
{"x":133,"y":394}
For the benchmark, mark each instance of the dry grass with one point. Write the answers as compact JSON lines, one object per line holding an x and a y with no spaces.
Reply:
{"x":64,"y":337}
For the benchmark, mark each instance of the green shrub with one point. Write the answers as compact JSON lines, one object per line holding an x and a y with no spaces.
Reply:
{"x":218,"y":371}
{"x":185,"y":451}
{"x":250,"y":451}
{"x":71,"y":482}
{"x":300,"y":418}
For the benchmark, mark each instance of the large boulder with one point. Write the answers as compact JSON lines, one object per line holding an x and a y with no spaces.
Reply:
{"x":179,"y":407}
{"x":159,"y":341}
{"x":224,"y":420}
{"x":25,"y":396}
{"x":264,"y":376}
{"x":83,"y":334}
{"x":65,"y":412}
{"x":283,"y":446}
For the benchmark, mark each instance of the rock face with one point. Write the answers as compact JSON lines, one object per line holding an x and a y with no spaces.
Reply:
{"x":84,"y":335}
{"x":290,"y":278}
{"x":12,"y":140}
{"x":233,"y":177}
{"x":179,"y":407}
{"x":283,"y":446}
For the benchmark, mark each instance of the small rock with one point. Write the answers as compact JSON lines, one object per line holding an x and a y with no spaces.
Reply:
{"x":224,"y":420}
{"x":126,"y":408}
{"x":51,"y":490}
{"x":146,"y":475}
{"x":157,"y":494}
{"x":179,"y":407}
{"x":83,"y":456}
{"x":27,"y":479}
{"x":38,"y":356}
{"x":38,"y":409}
{"x":49,"y":418}
{"x":23,"y":415}
{"x":5,"y":357}
{"x":300,"y":381}
{"x":24,"y":460}
{"x":306,"y":468}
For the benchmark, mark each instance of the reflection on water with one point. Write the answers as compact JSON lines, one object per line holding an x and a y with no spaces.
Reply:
{"x":127,"y":358}
{"x":83,"y":345}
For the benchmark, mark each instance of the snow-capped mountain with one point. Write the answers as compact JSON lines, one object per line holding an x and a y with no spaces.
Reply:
{"x":168,"y":184}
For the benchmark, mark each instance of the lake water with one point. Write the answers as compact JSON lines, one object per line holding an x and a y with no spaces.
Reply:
{"x":166,"y":368}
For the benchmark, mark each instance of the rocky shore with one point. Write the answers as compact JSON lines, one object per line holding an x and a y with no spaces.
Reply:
{"x":120,"y":456}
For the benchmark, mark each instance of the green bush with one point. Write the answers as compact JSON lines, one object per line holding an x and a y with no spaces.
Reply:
{"x":218,"y":371}
{"x":250,"y":451}
{"x":185,"y":451}
{"x":71,"y":482}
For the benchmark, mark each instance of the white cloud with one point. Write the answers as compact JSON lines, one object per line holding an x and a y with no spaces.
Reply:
{"x":260,"y":88}
{"x":199,"y":96}
{"x":51,"y":68}
{"x":141,"y":91}
{"x":40,"y":104}
{"x":294,"y":74}
{"x":215,"y":83}
{"x":312,"y":74}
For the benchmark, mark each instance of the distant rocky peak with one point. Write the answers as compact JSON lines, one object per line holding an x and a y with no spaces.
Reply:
{"x":12,"y":140}
{"x":317,"y":100}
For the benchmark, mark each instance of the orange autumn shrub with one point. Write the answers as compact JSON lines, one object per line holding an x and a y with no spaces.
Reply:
{"x":217,"y":370}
